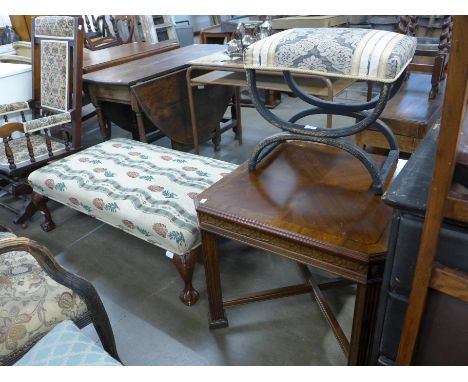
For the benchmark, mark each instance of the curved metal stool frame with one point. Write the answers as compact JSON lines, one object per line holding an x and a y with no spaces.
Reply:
{"x":366,"y":114}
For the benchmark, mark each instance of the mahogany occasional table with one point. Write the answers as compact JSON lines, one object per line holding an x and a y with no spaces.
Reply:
{"x":312,"y":204}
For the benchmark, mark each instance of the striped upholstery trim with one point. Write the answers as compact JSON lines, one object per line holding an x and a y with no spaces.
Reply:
{"x":336,"y":52}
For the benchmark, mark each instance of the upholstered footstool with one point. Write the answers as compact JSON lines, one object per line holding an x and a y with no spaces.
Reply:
{"x":360,"y":54}
{"x":31,"y":303}
{"x":142,"y":189}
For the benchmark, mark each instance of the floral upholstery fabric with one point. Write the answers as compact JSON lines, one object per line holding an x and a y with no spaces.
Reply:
{"x":143,"y":189}
{"x":54,"y":26}
{"x":21,"y":153}
{"x":337,"y":52}
{"x":14,"y":107}
{"x":46,"y":122}
{"x":54,"y":74}
{"x":66,"y":345}
{"x":31,"y":303}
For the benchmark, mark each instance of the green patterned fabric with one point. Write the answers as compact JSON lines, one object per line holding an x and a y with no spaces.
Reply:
{"x":31,"y":303}
{"x":143,"y":189}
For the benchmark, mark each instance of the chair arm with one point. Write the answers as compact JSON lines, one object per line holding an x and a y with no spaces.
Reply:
{"x":81,"y":286}
{"x":15,"y":107}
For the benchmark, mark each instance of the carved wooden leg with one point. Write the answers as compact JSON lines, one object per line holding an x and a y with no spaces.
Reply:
{"x":185,"y":265}
{"x":217,"y":316}
{"x":365,"y":312}
{"x":40,"y":203}
{"x":105,"y":132}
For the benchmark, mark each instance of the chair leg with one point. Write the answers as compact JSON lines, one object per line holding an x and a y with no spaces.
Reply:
{"x":26,"y":214}
{"x":185,"y":265}
{"x":29,"y":209}
{"x":40,"y":203}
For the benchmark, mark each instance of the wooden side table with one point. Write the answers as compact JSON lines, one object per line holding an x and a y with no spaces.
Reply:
{"x":312,"y":204}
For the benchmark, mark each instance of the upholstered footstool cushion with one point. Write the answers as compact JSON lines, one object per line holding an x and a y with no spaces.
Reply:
{"x":143,"y":189}
{"x":365,"y":54}
{"x":66,"y":345}
{"x":31,"y":303}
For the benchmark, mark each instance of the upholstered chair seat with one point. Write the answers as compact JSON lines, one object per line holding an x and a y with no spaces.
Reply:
{"x":364,"y":54}
{"x":66,"y":345}
{"x":31,"y":303}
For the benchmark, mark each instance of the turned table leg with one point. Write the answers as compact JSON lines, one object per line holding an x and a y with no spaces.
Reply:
{"x":185,"y":265}
{"x":365,"y":312}
{"x":105,"y":131}
{"x":217,"y":316}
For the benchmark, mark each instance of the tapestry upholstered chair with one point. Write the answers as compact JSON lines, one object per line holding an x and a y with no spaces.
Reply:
{"x":55,"y":130}
{"x":36,"y":294}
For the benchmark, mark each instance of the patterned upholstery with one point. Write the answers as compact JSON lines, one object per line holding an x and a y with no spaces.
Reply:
{"x":31,"y":303}
{"x":142,"y":189}
{"x":66,"y":345}
{"x":50,"y":121}
{"x":337,"y":52}
{"x":55,"y":26}
{"x":54,"y":74}
{"x":20,"y":149}
{"x":14,"y":107}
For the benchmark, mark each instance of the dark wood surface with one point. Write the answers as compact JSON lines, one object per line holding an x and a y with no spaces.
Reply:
{"x":453,"y":117}
{"x":148,"y":97}
{"x":150,"y":67}
{"x":311,"y":204}
{"x":116,"y":55}
{"x":305,"y":193}
{"x":410,"y":114}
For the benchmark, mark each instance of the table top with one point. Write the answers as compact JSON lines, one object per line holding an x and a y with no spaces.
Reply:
{"x":219,"y":59}
{"x":274,"y":81}
{"x":410,"y":112}
{"x":154,"y":66}
{"x":115,"y":55}
{"x":307,"y":193}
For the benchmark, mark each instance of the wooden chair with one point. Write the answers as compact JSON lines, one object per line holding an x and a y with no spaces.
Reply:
{"x":430,"y":47}
{"x":98,"y":35}
{"x":55,"y":130}
{"x":42,"y":295}
{"x":126,"y":24}
{"x":98,"y":32}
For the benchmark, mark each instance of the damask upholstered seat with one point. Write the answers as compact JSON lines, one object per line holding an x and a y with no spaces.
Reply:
{"x":336,"y":52}
{"x":31,"y":302}
{"x":142,"y":189}
{"x":360,"y":54}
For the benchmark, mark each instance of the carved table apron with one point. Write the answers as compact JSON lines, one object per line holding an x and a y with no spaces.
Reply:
{"x":299,"y":205}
